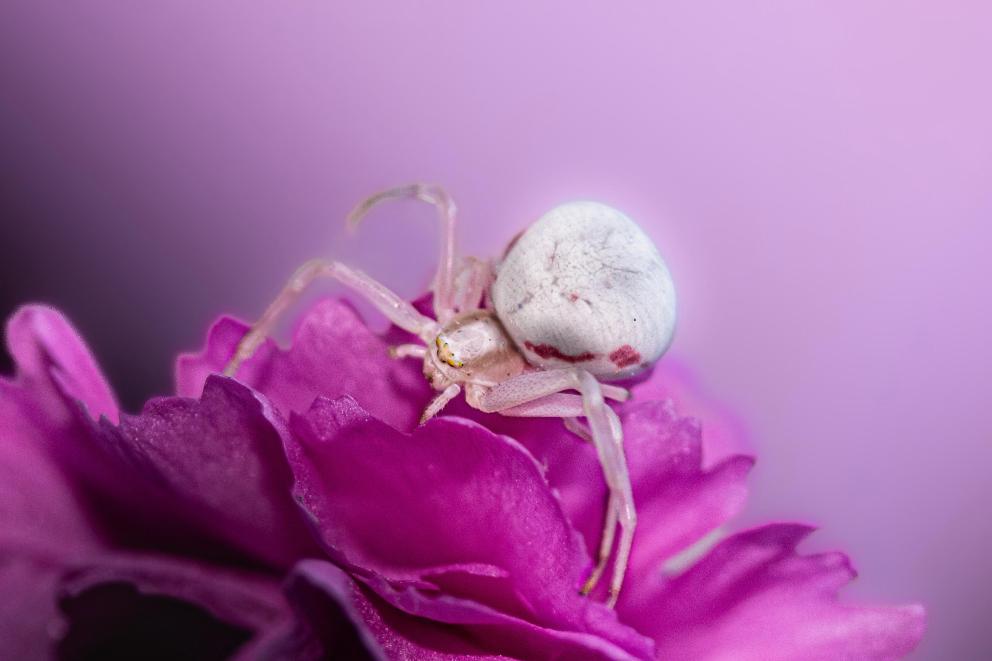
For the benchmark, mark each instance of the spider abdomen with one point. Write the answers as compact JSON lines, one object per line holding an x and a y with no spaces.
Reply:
{"x":585,"y":286}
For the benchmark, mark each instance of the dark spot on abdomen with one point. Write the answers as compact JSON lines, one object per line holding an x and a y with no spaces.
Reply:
{"x":550,"y":351}
{"x":625,"y":356}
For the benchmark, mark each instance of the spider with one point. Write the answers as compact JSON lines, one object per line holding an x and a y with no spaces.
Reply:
{"x":579,"y":297}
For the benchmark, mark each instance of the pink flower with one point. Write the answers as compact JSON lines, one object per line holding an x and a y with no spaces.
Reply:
{"x":298,"y":513}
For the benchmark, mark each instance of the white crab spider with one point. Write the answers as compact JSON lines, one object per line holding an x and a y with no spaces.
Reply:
{"x":581,"y":295}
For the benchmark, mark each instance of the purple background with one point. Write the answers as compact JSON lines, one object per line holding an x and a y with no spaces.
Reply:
{"x":816,"y":173}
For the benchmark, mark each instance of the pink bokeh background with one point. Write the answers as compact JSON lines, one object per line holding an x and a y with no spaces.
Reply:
{"x":817,"y":174}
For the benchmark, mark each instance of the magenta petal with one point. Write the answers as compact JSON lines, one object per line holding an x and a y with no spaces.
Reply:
{"x":42,"y":521}
{"x":213,"y":467}
{"x":128,"y":606}
{"x":28,"y":616}
{"x":672,"y":380}
{"x":333,"y":353}
{"x":413,"y":630}
{"x":404,"y":505}
{"x":451,"y":509}
{"x":55,"y":365}
{"x":249,"y":600}
{"x":755,"y":597}
{"x":328,"y":624}
{"x":678,"y":502}
{"x":39,"y":506}
{"x":56,"y":607}
{"x":40,"y":502}
{"x":319,"y":591}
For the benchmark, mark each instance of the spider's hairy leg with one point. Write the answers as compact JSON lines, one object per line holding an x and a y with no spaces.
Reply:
{"x":607,"y":436}
{"x":605,"y":545}
{"x":440,"y":401}
{"x":582,"y":430}
{"x":472,"y":284}
{"x":578,"y":428}
{"x":392,"y":306}
{"x":528,"y":395}
{"x":444,"y":285}
{"x":407,"y":351}
{"x":530,"y":386}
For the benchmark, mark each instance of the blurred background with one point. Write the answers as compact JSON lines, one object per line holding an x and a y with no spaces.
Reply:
{"x":817,"y":174}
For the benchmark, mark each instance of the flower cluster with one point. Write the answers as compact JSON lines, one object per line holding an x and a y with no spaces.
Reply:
{"x":298,"y":512}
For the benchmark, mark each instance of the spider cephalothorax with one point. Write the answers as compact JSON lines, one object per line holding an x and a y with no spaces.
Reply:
{"x":580,"y":296}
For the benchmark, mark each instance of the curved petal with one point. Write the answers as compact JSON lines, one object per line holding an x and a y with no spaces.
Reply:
{"x":28,"y":621}
{"x":387,"y":631}
{"x":450,"y":510}
{"x":41,"y":501}
{"x":248,"y":600}
{"x":671,"y":379}
{"x":39,"y":504}
{"x":55,"y":366}
{"x":755,"y":597}
{"x":333,"y":353}
{"x":55,"y":531}
{"x":678,"y":502}
{"x":212,"y":468}
{"x":43,"y":519}
{"x":130,"y":606}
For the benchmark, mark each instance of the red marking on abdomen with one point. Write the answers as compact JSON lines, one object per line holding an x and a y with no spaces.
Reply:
{"x":549,"y":351}
{"x":625,"y":356}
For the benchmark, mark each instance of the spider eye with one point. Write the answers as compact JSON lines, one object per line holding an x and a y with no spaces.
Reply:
{"x":445,"y":354}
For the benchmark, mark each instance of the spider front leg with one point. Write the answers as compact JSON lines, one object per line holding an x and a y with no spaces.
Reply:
{"x":392,"y":306}
{"x":533,"y":385}
{"x":605,"y":546}
{"x":408,"y":351}
{"x":444,"y":281}
{"x":472,"y":284}
{"x":528,"y":395}
{"x":439,"y":402}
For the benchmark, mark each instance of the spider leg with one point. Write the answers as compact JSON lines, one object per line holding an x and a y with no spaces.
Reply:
{"x":606,"y":435}
{"x":566,"y":405}
{"x":472,"y":284}
{"x":392,"y":306}
{"x":444,"y":304}
{"x":439,"y":402}
{"x":529,"y":386}
{"x":578,"y":428}
{"x":605,"y":545}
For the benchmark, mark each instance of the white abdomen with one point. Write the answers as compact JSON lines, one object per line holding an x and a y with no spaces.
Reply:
{"x":585,"y":286}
